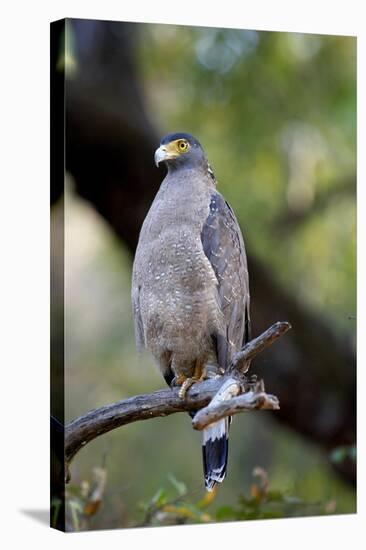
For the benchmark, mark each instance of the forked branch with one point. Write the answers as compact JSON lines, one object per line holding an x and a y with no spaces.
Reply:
{"x":251,"y":400}
{"x":87,"y":427}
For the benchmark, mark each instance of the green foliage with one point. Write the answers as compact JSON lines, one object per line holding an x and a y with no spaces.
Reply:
{"x":174,"y":504}
{"x":262,"y":503}
{"x":276,"y":113}
{"x":84,"y":500}
{"x":56,"y":505}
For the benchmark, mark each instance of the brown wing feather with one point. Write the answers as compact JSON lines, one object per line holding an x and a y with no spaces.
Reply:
{"x":224,"y":247}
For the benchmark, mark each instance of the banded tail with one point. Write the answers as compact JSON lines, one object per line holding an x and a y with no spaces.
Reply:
{"x":215,"y":446}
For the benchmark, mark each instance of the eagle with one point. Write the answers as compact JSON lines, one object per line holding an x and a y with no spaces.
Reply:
{"x":190,"y":284}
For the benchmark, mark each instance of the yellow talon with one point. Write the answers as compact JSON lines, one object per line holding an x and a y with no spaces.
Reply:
{"x":200,"y":373}
{"x":188,"y":382}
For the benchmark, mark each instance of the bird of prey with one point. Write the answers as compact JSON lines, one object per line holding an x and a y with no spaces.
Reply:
{"x":190,"y":287}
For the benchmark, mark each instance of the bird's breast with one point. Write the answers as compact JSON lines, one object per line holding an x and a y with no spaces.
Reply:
{"x":178,"y":287}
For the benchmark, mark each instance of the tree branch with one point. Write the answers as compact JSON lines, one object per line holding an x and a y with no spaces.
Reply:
{"x":87,"y":427}
{"x":242,"y":358}
{"x":249,"y":401}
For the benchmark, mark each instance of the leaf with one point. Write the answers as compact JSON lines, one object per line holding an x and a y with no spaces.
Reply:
{"x":179,"y":485}
{"x":76,"y":510}
{"x":55,"y":506}
{"x":159,"y":498}
{"x":92,"y":507}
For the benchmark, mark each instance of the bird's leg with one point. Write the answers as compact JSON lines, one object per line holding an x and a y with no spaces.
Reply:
{"x":210,"y":368}
{"x":202,"y":371}
{"x":188,"y":382}
{"x":178,"y":380}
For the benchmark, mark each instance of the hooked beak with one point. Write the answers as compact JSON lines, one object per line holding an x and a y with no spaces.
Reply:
{"x":162,"y":153}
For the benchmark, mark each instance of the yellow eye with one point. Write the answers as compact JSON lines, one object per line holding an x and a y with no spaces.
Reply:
{"x":182,"y":145}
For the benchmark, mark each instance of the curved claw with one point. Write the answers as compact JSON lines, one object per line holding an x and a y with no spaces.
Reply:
{"x":188,"y":382}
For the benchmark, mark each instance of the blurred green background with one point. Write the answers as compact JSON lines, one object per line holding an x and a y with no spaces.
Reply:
{"x":276,"y":114}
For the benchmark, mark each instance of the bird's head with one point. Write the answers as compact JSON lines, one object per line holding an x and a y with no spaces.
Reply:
{"x":180,"y":150}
